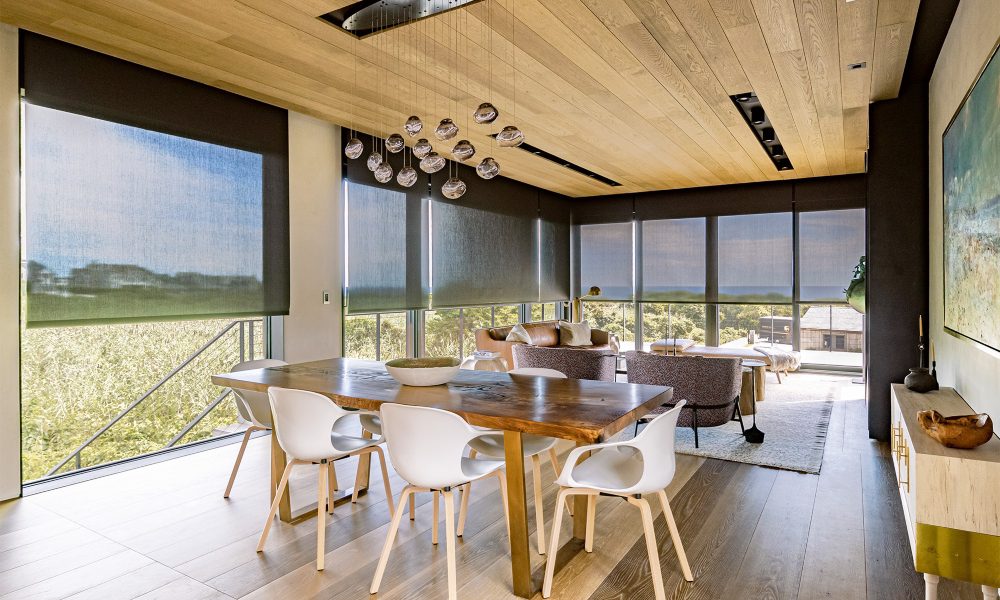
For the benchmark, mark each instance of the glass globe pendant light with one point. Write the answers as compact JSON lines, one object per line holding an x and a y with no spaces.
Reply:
{"x":422,"y":148}
{"x":485,"y":114}
{"x":446,"y":129}
{"x":488,"y":168}
{"x":394,"y":143}
{"x":432,"y":163}
{"x":354,"y":148}
{"x":383,"y":172}
{"x":463,"y":150}
{"x":453,"y":188}
{"x":374,"y":160}
{"x":407,"y":176}
{"x":509,"y":137}
{"x":413,"y":125}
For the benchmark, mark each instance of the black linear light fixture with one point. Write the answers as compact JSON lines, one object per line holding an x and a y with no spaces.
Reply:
{"x":564,"y":163}
{"x":753,"y":113}
{"x":362,"y":18}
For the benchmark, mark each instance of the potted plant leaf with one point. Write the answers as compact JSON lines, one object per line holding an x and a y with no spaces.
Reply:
{"x":855,"y":291}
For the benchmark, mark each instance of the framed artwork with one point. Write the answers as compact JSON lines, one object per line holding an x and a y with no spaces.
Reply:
{"x":971,"y":191}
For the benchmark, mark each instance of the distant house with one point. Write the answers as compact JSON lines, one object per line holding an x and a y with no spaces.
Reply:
{"x":108,"y":277}
{"x":40,"y":279}
{"x":832,"y":329}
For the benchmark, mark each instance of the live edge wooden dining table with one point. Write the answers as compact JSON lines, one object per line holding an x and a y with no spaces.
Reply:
{"x":580,"y":410}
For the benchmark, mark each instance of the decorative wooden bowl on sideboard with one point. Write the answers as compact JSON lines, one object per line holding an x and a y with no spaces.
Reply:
{"x":964,"y":432}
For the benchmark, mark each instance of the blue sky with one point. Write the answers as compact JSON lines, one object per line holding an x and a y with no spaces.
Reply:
{"x":98,"y":191}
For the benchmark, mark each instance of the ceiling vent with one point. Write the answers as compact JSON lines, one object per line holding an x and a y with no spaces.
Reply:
{"x":564,"y":163}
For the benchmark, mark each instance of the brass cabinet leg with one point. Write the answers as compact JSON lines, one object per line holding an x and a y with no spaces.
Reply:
{"x":517,"y":508}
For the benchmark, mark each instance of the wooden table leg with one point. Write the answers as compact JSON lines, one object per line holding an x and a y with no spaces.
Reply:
{"x":278,"y":462}
{"x":517,"y":508}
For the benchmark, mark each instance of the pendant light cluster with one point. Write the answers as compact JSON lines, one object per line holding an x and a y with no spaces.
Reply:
{"x":447,"y":129}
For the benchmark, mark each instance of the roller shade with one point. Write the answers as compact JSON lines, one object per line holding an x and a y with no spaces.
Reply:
{"x":606,"y":260}
{"x":673,"y":260}
{"x":830,"y":244}
{"x":148,"y":197}
{"x":755,"y":258}
{"x":553,"y":248}
{"x":484,"y":244}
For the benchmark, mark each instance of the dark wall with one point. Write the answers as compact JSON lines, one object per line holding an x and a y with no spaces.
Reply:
{"x":898,"y":228}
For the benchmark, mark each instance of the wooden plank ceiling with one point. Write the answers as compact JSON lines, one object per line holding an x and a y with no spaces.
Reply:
{"x":635,"y":90}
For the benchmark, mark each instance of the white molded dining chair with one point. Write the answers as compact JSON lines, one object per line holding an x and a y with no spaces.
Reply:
{"x":490,"y":444}
{"x":427,"y":447}
{"x":642,"y":465}
{"x":306,"y":426}
{"x":252,"y":407}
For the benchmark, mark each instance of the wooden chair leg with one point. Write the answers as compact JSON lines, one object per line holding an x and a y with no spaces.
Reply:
{"x":536,"y":475}
{"x":463,"y":510}
{"x":502,"y":478}
{"x":437,"y":517}
{"x":239,"y":458}
{"x":321,"y":516}
{"x":359,"y":477}
{"x":675,"y":536}
{"x":651,"y":549}
{"x":554,"y":460}
{"x":550,"y":563}
{"x":450,"y":542}
{"x":390,"y":538}
{"x":385,"y":478}
{"x":588,"y":540}
{"x":413,"y":507}
{"x":334,"y":484}
{"x":274,"y":505}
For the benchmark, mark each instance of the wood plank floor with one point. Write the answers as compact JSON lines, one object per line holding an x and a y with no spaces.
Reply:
{"x":164,"y":531}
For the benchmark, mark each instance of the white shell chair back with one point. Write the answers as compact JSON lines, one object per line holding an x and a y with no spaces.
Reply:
{"x":656,"y":443}
{"x":305,"y":422}
{"x":254,"y":406}
{"x":538,"y":372}
{"x":426,"y":444}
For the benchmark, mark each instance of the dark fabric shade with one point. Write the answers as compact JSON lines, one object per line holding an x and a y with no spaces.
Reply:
{"x":553,"y":248}
{"x":606,"y":260}
{"x":830,"y":244}
{"x":148,"y":196}
{"x":673,"y":260}
{"x":755,"y":258}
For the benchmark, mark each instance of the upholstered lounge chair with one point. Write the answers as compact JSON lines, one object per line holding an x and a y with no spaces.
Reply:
{"x":711,"y":387}
{"x":573,"y":362}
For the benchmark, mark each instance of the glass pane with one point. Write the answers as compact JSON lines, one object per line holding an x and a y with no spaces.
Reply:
{"x":615,"y":317}
{"x":755,"y":258}
{"x":392,"y":336}
{"x":474,"y":318}
{"x":75,"y":380}
{"x":668,"y":321}
{"x":442,"y":333}
{"x":830,"y":245}
{"x":831,"y":335}
{"x":360,"y":337}
{"x":543,"y":312}
{"x":673,"y":260}
{"x":606,"y":259}
{"x":746,"y":325}
{"x":506,"y":315}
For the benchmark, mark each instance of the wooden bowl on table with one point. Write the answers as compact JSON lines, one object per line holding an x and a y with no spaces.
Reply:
{"x":431,"y":370}
{"x":965,"y":432}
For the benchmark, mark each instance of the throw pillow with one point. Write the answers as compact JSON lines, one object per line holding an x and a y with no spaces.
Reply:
{"x":518,"y":334}
{"x":574,"y":334}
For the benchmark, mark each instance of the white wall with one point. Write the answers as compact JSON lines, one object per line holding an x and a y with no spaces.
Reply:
{"x":10,"y":259}
{"x":970,"y":368}
{"x":312,"y":330}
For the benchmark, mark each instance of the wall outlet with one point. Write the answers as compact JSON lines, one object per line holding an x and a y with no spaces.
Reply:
{"x":326,"y":297}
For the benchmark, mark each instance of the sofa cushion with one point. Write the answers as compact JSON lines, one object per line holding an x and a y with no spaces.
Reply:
{"x":574,"y":334}
{"x":543,"y":334}
{"x":518,"y":334}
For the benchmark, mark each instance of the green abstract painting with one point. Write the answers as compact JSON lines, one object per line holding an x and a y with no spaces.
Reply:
{"x":971,"y":179}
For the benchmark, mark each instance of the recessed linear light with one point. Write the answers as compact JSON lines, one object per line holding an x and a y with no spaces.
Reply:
{"x":756,"y":118}
{"x":562,"y":162}
{"x":857,"y":65}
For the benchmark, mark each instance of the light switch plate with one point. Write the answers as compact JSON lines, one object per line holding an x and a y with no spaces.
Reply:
{"x":326,"y":297}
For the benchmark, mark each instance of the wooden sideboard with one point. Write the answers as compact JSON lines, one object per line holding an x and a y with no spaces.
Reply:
{"x":951,"y":498}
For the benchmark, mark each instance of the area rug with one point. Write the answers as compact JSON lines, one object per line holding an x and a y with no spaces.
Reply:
{"x":794,"y":419}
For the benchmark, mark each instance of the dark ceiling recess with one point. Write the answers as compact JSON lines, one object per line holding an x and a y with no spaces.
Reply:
{"x":563,"y":163}
{"x":755,"y":116}
{"x":373,"y":16}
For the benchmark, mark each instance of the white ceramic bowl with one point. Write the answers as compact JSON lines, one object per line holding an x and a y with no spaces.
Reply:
{"x":423,"y":371}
